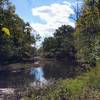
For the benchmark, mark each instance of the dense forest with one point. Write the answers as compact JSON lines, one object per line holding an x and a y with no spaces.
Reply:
{"x":79,"y":44}
{"x":69,"y":60}
{"x":16,"y":45}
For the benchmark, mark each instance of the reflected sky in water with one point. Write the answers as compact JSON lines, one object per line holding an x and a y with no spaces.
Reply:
{"x":38,"y":74}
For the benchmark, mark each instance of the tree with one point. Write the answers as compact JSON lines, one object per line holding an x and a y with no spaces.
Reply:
{"x":88,"y":27}
{"x":77,"y":10}
{"x":61,"y":46}
{"x":49,"y":46}
{"x":18,"y":45}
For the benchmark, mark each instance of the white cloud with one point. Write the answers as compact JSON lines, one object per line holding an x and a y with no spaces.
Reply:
{"x":65,"y":2}
{"x":54,"y":15}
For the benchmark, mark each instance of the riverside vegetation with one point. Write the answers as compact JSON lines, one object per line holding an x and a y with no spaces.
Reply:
{"x":78,"y":46}
{"x":83,"y":87}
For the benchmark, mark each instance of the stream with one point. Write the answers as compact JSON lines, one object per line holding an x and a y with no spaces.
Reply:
{"x":36,"y":76}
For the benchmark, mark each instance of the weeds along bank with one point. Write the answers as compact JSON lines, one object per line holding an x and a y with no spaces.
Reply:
{"x":83,"y":87}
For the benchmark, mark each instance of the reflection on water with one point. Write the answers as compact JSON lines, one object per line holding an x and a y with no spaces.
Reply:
{"x":38,"y":74}
{"x":16,"y":79}
{"x":58,"y":69}
{"x":50,"y":69}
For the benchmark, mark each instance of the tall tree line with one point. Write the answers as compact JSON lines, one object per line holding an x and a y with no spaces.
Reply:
{"x":18,"y":45}
{"x":61,"y":46}
{"x":88,"y":32}
{"x":82,"y":43}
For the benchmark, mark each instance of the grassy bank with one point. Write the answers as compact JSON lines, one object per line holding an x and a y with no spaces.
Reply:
{"x":83,"y":87}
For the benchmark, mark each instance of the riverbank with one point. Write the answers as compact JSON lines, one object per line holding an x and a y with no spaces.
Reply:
{"x":83,"y":87}
{"x":63,"y":86}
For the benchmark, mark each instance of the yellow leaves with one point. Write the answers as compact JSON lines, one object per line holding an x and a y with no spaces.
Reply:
{"x":78,"y":24}
{"x":6,"y":31}
{"x":86,"y":13}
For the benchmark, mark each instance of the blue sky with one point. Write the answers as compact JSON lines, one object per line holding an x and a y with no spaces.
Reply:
{"x":45,"y":15}
{"x":23,"y":8}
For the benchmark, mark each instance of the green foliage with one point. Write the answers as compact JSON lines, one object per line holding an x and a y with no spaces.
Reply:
{"x":94,"y":77}
{"x":61,"y":45}
{"x":87,"y":29}
{"x":84,"y":87}
{"x":18,"y":45}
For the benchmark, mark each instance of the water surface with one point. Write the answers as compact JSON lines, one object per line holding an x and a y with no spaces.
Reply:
{"x":49,"y":70}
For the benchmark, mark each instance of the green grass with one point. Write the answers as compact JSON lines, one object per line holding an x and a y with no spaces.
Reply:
{"x":83,"y":87}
